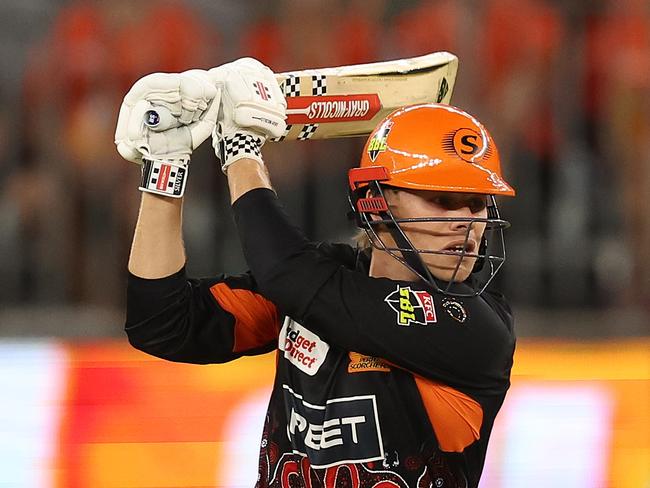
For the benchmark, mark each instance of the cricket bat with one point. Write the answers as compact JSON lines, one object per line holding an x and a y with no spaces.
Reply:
{"x":348,"y":101}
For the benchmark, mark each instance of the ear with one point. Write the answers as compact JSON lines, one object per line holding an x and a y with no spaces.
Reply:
{"x":388,"y":196}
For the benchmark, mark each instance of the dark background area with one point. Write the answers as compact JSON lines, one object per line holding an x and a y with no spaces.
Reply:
{"x":564,"y":87}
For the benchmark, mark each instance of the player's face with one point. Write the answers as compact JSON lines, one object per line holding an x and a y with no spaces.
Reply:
{"x":442,"y":236}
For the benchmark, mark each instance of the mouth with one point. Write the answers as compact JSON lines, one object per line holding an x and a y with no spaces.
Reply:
{"x":461,"y":246}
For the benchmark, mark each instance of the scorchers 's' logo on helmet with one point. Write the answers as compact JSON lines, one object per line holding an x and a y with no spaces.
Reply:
{"x":377,"y":143}
{"x":467,"y":144}
{"x":412,"y":306}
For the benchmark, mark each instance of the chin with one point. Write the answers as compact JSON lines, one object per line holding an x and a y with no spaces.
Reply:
{"x":446,"y":273}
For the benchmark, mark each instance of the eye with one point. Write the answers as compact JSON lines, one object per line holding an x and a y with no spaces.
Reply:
{"x":444,"y":201}
{"x":477,"y":204}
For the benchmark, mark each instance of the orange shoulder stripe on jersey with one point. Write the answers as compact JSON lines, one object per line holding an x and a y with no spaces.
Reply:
{"x":456,"y":418}
{"x":256,"y":318}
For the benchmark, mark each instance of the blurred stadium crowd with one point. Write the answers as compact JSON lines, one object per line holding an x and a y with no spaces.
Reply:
{"x":564,"y":86}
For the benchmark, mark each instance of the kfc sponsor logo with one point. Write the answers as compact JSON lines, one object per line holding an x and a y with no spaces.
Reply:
{"x":412,"y":306}
{"x":304,"y":349}
{"x":344,"y":430}
{"x":332,"y":108}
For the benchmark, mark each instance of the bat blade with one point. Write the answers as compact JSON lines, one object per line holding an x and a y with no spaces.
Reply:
{"x":349,"y":101}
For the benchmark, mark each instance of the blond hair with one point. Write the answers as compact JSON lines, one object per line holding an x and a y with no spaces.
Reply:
{"x":362,"y":241}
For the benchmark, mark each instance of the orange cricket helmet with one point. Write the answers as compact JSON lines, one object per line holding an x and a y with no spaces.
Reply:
{"x":436,"y":147}
{"x":440,"y":148}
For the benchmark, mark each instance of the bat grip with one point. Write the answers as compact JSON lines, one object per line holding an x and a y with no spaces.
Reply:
{"x":159,"y":119}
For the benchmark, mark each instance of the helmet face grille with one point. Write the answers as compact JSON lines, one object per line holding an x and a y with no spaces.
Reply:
{"x":490,"y":256}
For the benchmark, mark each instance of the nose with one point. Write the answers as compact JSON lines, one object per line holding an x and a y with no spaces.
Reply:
{"x":460,"y":213}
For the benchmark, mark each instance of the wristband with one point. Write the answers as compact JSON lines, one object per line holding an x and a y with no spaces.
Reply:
{"x":162,"y":177}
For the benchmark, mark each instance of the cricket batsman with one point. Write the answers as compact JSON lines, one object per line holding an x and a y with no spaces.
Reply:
{"x":394,"y":356}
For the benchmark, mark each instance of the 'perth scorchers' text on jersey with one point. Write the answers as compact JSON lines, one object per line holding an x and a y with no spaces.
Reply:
{"x":377,"y":380}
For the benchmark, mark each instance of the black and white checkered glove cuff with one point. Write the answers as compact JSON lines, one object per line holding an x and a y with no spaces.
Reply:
{"x":238,"y":146}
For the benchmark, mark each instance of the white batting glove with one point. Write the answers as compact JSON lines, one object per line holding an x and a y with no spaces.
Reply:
{"x":252,"y":108}
{"x":163,"y":118}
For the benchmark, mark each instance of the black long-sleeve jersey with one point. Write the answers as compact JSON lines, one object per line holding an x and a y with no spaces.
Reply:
{"x":379,"y":383}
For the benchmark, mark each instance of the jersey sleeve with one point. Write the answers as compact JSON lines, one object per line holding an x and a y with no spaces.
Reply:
{"x":466,"y":343}
{"x":212,"y":320}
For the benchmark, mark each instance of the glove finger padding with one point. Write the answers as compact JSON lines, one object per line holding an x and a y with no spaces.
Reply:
{"x":252,"y":95}
{"x":256,"y":108}
{"x":187,"y":96}
{"x":252,"y":109}
{"x":201,"y":129}
{"x":189,"y":103}
{"x":125,"y":146}
{"x":196,"y":91}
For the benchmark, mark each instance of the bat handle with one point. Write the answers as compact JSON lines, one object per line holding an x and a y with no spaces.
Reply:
{"x":159,"y":119}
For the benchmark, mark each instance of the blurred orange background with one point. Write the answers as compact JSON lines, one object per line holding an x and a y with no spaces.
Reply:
{"x":576,"y":415}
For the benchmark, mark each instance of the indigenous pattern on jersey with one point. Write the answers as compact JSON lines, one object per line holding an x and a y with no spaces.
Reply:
{"x":378,"y":382}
